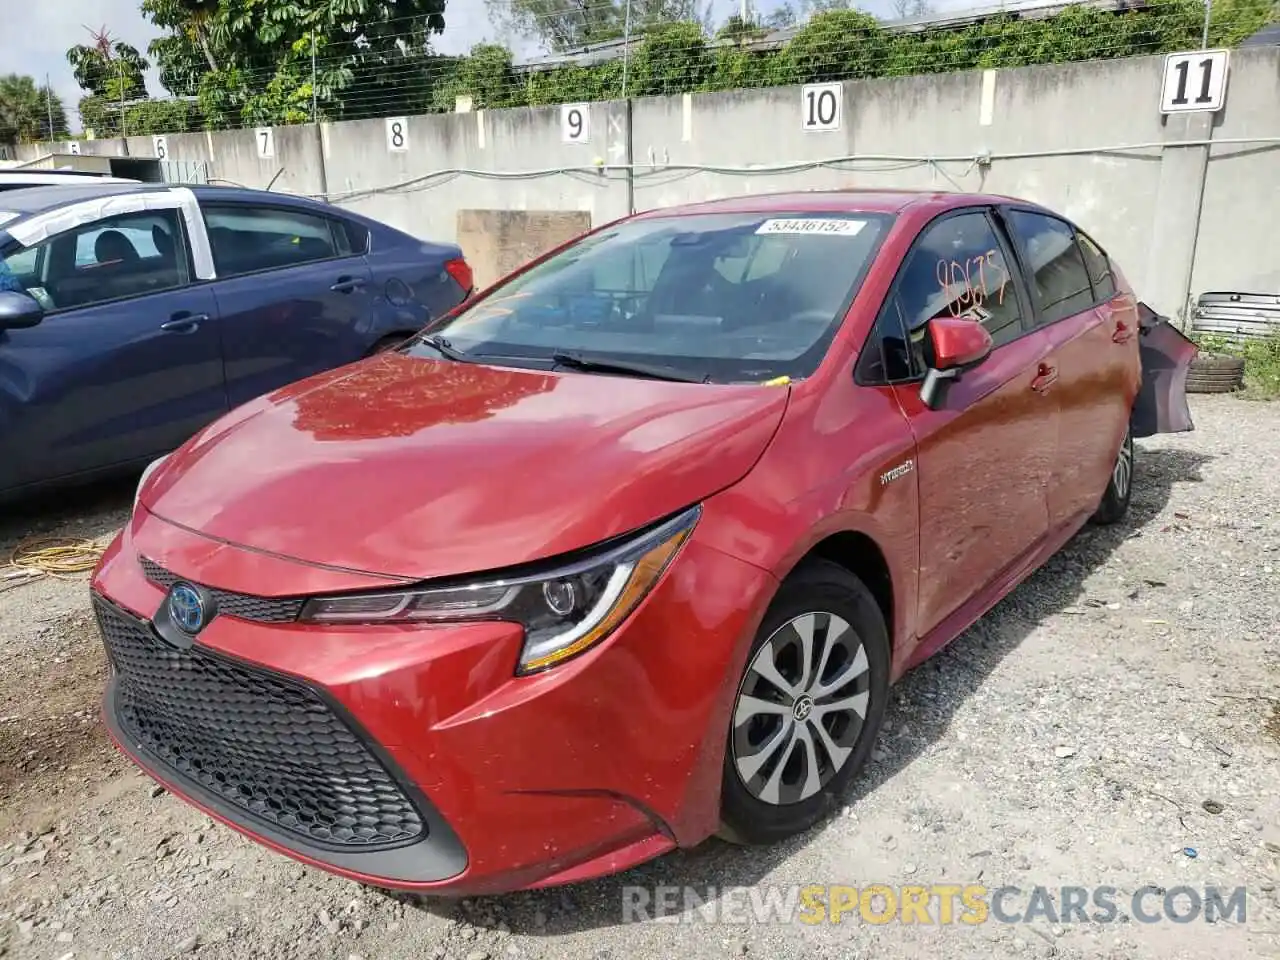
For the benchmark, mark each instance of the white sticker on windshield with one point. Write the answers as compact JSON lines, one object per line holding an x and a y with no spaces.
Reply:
{"x":834,"y":226}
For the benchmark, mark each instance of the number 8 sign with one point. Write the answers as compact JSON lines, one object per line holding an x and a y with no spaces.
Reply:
{"x":398,"y":134}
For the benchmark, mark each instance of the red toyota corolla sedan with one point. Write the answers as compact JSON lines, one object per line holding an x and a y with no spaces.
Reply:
{"x":627,"y":550}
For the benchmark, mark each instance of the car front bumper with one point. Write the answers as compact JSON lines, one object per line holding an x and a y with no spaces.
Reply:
{"x":412,"y":757}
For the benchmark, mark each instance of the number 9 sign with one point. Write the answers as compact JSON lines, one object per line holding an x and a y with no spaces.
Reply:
{"x":574,"y":123}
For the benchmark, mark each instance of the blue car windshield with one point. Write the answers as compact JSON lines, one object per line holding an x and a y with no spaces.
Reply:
{"x":729,"y":297}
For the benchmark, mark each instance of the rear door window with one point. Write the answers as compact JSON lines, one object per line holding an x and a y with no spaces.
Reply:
{"x":1099,"y":267}
{"x":246,"y":239}
{"x":1055,"y":266}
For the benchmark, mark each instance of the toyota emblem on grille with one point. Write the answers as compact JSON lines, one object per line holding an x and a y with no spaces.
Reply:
{"x":186,"y":608}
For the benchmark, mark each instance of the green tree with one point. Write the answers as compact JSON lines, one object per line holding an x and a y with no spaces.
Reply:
{"x":111,"y":72}
{"x":672,"y":58}
{"x":185,"y":53}
{"x":109,"y":68}
{"x":485,"y":75}
{"x":563,"y":25}
{"x":560,"y":24}
{"x":249,"y":61}
{"x":1231,"y":21}
{"x":25,"y":111}
{"x":741,"y":31}
{"x":835,"y":45}
{"x":783,"y":15}
{"x":160,"y":116}
{"x":372,"y":64}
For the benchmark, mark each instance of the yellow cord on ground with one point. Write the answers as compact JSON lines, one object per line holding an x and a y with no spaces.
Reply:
{"x":57,"y":556}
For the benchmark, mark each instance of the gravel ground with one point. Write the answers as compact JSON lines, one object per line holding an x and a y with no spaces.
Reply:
{"x":1114,"y":716}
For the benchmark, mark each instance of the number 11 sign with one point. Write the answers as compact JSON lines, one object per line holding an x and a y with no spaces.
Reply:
{"x":1194,"y":81}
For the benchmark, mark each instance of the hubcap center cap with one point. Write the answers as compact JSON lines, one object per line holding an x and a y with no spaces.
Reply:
{"x":802,"y":708}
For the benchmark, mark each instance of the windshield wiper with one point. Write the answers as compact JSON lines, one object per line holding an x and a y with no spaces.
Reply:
{"x":445,"y":348}
{"x":653,"y":371}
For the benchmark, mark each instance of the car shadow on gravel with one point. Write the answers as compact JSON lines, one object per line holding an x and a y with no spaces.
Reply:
{"x":926,"y":699}
{"x":87,"y":512}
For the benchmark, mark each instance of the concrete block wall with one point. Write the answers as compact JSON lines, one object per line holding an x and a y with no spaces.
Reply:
{"x":1181,"y":216}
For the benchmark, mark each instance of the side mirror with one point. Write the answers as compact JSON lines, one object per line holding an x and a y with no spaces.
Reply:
{"x":954,"y":344}
{"x":19,"y":310}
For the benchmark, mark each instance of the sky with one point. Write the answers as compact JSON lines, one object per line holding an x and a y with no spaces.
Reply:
{"x":47,"y":28}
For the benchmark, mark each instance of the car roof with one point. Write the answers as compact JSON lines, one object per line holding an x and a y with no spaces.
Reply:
{"x":1266,"y":37}
{"x":41,"y":177}
{"x":833,"y":201}
{"x":30,"y":200}
{"x":33,"y":200}
{"x":219,"y":192}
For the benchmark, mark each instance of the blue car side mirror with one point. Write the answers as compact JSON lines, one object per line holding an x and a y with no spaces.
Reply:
{"x":19,"y":310}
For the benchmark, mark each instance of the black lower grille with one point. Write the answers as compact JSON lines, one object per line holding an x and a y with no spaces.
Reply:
{"x":242,"y":605}
{"x":268,"y":745}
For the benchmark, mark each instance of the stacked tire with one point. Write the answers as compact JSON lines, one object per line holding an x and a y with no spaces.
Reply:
{"x":1215,"y":373}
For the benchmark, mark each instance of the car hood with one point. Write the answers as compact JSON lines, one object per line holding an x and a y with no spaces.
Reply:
{"x":420,"y":468}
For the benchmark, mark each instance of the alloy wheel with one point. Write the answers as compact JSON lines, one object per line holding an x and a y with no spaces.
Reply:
{"x":1122,"y":475}
{"x":801,"y":708}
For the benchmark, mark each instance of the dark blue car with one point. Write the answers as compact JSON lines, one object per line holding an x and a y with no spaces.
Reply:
{"x":132,"y":316}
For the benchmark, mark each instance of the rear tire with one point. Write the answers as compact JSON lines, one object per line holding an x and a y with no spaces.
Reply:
{"x":802,"y":727}
{"x":1115,"y":501}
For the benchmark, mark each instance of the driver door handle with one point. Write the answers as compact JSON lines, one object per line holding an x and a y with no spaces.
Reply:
{"x":347,"y":284}
{"x":1046,"y":376}
{"x":184,"y":322}
{"x":1123,"y":333}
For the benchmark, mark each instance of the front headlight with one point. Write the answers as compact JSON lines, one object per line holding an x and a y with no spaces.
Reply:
{"x":564,"y":610}
{"x":146,"y":475}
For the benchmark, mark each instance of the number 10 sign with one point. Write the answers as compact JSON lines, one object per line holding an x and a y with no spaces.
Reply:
{"x":1194,"y":81}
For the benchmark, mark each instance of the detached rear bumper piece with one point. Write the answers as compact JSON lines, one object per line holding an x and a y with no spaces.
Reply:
{"x":1166,"y":355}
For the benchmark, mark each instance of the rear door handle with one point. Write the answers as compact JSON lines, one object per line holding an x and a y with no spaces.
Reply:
{"x":184,"y":322}
{"x":1046,"y":376}
{"x":1123,"y":333}
{"x":347,"y":284}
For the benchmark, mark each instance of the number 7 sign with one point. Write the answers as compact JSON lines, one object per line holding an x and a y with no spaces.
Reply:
{"x":1194,"y":81}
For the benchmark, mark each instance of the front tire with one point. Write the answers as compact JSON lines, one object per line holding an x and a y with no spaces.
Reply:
{"x":1115,"y":501}
{"x":808,"y":708}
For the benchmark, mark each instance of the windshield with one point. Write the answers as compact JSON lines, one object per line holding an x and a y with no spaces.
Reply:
{"x":728,"y":297}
